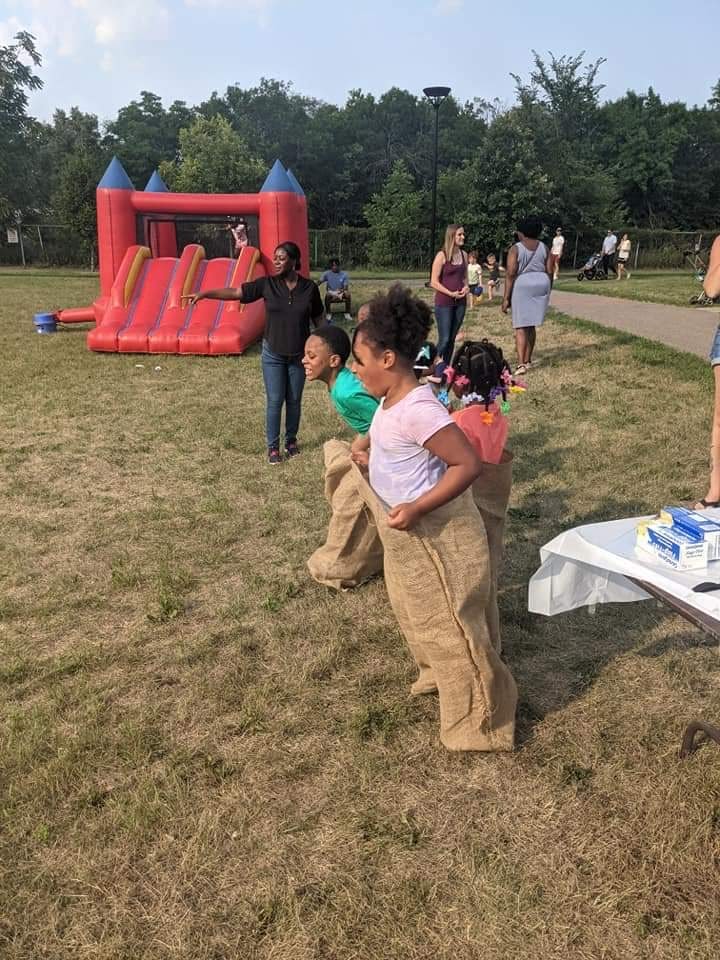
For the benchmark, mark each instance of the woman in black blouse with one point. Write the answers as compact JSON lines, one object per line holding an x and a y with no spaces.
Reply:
{"x":292,"y":303}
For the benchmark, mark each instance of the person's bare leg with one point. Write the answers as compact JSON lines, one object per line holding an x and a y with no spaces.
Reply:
{"x":521,"y":345}
{"x":531,"y":337}
{"x":713,"y":494}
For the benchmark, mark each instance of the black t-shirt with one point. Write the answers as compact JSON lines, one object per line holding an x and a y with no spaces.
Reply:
{"x":287,"y":312}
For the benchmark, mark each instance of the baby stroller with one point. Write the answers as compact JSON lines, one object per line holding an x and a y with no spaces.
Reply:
{"x":593,"y":269}
{"x":694,"y":258}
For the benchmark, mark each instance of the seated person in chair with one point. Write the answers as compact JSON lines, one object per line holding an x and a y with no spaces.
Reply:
{"x":337,"y":289}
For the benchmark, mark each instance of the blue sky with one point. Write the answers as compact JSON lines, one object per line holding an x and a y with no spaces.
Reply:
{"x":99,"y":54}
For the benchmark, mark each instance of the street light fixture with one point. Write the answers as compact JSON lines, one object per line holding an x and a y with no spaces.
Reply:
{"x":435,"y":95}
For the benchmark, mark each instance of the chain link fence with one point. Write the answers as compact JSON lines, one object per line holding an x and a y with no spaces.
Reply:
{"x":348,"y":244}
{"x":45,"y":245}
{"x":41,"y":244}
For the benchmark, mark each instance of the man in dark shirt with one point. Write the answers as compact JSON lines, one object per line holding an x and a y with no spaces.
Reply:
{"x":292,"y":304}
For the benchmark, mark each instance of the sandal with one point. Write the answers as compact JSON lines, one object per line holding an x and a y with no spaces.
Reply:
{"x":704,"y":504}
{"x":519,"y":371}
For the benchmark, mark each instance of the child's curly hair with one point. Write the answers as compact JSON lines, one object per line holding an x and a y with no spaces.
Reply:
{"x":397,"y":321}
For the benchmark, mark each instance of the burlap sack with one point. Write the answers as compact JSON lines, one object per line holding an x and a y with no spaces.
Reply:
{"x":438,"y":580}
{"x":352,"y":552}
{"x":491,"y":493}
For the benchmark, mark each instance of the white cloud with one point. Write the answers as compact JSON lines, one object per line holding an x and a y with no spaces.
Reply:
{"x":71,"y":28}
{"x":258,"y":10}
{"x":242,"y":6}
{"x":8,"y":29}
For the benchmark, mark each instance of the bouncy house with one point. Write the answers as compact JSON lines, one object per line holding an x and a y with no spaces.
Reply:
{"x":144,"y":274}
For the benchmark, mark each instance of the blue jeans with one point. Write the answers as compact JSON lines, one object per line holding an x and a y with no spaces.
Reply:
{"x":284,"y":379}
{"x":715,"y":349}
{"x":448,"y":320}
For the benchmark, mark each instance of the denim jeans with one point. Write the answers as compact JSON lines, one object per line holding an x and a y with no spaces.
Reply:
{"x":448,"y":320}
{"x":715,"y":349}
{"x":284,"y":379}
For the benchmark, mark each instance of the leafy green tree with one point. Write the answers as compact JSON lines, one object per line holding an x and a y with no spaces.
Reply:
{"x":73,"y":198}
{"x":561,"y":106}
{"x":69,"y":161}
{"x":270,"y":117}
{"x":144,"y":134}
{"x":714,"y":100}
{"x":641,"y":140}
{"x":396,"y":216}
{"x":694,"y":200}
{"x":18,"y":131}
{"x":503,"y":182}
{"x":213,"y":158}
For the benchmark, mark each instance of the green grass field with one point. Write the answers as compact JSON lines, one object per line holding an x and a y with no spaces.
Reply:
{"x":205,"y":755}
{"x":671,"y":286}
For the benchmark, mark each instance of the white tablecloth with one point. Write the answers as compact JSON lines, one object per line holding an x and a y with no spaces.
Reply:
{"x":591,"y":564}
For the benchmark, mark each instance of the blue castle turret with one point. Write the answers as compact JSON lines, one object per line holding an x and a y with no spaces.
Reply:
{"x":277,"y":180}
{"x":156,"y":184}
{"x":115,"y":177}
{"x":294,"y":183}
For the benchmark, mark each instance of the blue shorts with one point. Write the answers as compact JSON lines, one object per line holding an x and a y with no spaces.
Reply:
{"x":715,"y":349}
{"x":477,"y":290}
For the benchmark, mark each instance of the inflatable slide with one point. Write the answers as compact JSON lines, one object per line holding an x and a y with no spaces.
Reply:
{"x":145,"y":312}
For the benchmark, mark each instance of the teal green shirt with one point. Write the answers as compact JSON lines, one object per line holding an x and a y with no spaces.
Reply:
{"x":352,"y":401}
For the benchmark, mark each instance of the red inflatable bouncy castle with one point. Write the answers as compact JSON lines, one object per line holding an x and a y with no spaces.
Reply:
{"x":143,"y":275}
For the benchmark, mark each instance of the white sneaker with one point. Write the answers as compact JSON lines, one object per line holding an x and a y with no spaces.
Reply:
{"x":348,"y":318}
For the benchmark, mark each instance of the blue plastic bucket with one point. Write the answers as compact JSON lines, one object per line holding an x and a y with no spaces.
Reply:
{"x":45,"y":323}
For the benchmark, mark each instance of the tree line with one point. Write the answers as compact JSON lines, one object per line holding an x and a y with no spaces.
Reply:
{"x":558,"y":150}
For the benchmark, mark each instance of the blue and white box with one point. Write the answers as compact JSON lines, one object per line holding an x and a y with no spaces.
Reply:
{"x":693,"y":522}
{"x":675,"y":547}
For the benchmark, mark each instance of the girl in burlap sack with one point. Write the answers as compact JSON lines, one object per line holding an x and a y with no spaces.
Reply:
{"x":437,"y":565}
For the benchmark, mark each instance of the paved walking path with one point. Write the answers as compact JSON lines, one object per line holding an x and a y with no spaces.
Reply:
{"x":685,"y":328}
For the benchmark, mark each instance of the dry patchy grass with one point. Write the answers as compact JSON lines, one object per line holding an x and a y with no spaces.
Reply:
{"x":204,"y":754}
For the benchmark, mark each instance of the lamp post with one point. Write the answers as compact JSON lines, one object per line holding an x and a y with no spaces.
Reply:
{"x":435,"y":95}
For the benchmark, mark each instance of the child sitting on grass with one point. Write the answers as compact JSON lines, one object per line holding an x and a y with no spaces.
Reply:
{"x":326,"y":352}
{"x":436,"y":558}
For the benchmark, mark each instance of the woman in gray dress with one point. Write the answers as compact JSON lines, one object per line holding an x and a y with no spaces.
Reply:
{"x":527,"y":287}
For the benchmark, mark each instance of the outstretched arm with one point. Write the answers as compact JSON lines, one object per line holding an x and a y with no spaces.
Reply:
{"x":222,"y":293}
{"x":245,"y":293}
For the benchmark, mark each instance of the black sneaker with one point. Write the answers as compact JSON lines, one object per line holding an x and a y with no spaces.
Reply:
{"x":274,"y":455}
{"x":291,"y":448}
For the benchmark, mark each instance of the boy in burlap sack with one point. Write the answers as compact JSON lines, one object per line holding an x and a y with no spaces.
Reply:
{"x":352,"y":552}
{"x":437,"y":566}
